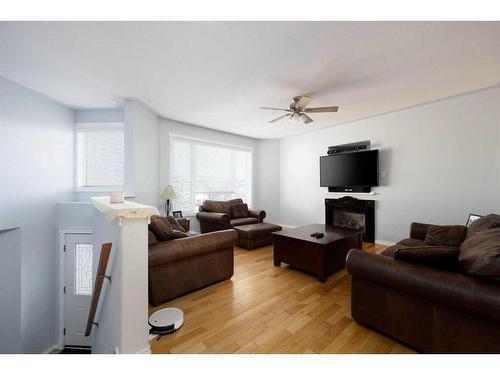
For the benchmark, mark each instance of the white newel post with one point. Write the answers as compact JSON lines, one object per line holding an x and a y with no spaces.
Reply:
{"x":122,"y":315}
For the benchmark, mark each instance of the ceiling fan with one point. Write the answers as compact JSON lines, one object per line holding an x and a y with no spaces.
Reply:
{"x":298,"y":110}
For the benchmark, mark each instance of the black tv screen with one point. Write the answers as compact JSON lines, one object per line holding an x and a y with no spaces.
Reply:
{"x":349,"y":169}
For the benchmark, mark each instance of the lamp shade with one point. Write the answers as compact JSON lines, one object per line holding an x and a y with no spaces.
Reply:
{"x":168,"y":193}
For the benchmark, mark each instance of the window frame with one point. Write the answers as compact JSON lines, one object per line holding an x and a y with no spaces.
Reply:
{"x":229,"y":146}
{"x":96,"y":126}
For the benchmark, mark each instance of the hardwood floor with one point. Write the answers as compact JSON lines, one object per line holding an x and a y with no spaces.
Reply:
{"x":268,"y":309}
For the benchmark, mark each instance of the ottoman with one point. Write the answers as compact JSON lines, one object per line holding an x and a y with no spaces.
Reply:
{"x":255,"y":235}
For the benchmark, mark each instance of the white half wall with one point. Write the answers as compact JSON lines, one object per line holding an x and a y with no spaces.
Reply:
{"x":438,"y":163}
{"x":36,"y":169}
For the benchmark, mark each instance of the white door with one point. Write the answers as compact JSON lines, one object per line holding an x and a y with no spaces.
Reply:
{"x":78,"y":289}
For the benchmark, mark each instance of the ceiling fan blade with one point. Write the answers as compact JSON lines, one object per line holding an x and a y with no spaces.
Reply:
{"x":303,"y":102}
{"x":321,"y":109}
{"x":276,"y":109}
{"x":279,"y":118}
{"x":305,"y":118}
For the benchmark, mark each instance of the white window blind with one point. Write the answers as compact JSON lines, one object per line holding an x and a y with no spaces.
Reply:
{"x":202,"y":170}
{"x":100,"y":155}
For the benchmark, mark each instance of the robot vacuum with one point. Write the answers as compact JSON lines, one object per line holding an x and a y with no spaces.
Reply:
{"x":166,"y":321}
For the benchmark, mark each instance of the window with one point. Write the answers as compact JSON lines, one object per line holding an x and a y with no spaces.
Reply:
{"x":83,"y":269}
{"x":100,"y":152}
{"x":202,"y":170}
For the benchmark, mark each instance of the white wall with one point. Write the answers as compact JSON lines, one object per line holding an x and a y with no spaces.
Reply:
{"x":36,"y":171}
{"x":145,"y":152}
{"x":267,"y":179}
{"x":438,"y":163}
{"x":10,"y":290}
{"x":100,"y":115}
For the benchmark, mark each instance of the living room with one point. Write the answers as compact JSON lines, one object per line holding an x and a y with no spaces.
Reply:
{"x":259,"y":187}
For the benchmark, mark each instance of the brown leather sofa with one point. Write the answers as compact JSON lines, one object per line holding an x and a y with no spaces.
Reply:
{"x":183,"y":265}
{"x":430,"y":309}
{"x":217,"y":215}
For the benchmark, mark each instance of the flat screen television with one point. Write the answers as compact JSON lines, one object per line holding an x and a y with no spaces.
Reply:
{"x":349,"y":170}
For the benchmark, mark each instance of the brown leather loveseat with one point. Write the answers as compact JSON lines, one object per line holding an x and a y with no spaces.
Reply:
{"x":434,"y":298}
{"x":220,"y":215}
{"x":182,"y":265}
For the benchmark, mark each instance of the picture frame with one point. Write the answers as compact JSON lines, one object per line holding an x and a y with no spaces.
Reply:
{"x":177,"y":214}
{"x":472,"y":218}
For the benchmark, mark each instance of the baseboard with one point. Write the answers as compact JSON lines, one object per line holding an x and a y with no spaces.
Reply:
{"x":50,"y":349}
{"x":386,"y":243}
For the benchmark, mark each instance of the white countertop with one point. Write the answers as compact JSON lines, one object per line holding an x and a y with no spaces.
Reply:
{"x":125,"y":210}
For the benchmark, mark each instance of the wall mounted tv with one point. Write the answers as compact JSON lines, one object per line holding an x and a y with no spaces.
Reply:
{"x":350,"y":171}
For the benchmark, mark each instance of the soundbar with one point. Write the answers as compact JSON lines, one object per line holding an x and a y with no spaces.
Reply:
{"x":354,"y":189}
{"x":349,"y":147}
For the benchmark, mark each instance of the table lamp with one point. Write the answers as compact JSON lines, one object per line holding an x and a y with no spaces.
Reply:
{"x":168,"y":194}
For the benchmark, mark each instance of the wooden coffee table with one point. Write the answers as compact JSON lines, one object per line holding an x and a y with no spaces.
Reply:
{"x":321,"y":256}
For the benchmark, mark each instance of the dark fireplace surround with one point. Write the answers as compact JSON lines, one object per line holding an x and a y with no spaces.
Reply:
{"x":349,"y":212}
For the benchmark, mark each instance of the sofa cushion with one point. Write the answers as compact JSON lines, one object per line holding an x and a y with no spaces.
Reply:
{"x":244,"y":221}
{"x":216,"y":206}
{"x":480,"y":255}
{"x":239,"y":210}
{"x":484,"y":223}
{"x":407,"y":242}
{"x":389,"y":252}
{"x":445,"y":235}
{"x":410,"y":242}
{"x":175,"y":224}
{"x":152,"y":240}
{"x":432,"y":256}
{"x":162,"y":229}
{"x":220,"y":206}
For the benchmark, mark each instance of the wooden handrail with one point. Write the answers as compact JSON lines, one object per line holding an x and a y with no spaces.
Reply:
{"x":99,"y":279}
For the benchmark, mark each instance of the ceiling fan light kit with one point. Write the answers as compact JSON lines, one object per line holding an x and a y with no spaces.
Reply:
{"x":297,"y":110}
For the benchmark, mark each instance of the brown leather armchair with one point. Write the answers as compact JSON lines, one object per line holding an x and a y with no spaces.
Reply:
{"x":180,"y":266}
{"x":216,"y":215}
{"x":429,"y":309}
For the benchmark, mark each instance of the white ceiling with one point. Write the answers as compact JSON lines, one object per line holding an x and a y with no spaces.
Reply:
{"x":217,"y":74}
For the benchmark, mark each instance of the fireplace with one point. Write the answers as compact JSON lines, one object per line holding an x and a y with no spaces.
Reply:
{"x":349,"y":212}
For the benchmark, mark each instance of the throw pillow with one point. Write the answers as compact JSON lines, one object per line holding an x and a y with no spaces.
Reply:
{"x":162,"y":228}
{"x":239,"y":211}
{"x":484,"y":223}
{"x":443,"y":257}
{"x":175,"y":224}
{"x":480,"y":255}
{"x":445,"y":235}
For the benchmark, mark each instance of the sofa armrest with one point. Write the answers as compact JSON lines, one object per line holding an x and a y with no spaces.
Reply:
{"x":213,"y":217}
{"x":184,"y":223}
{"x":418,"y":231}
{"x":190,"y":247}
{"x":258,"y":214}
{"x":448,"y":288}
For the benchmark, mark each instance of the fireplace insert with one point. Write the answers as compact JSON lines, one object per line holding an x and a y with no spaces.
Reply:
{"x":349,"y":212}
